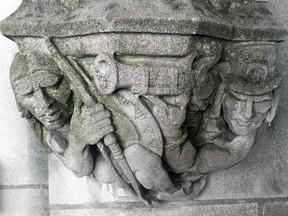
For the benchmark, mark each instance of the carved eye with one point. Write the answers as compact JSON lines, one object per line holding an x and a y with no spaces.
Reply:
{"x":29,"y":94}
{"x":56,"y":85}
{"x":232,"y":97}
{"x":263,"y":106}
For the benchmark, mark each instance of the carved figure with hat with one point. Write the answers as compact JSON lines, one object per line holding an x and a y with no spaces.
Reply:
{"x":247,"y":97}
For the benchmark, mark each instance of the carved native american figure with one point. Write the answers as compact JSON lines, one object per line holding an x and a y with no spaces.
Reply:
{"x":150,"y":110}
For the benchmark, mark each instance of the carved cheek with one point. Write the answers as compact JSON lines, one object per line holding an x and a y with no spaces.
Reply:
{"x":246,"y":109}
{"x":61,"y":94}
{"x":230,"y":108}
{"x":27,"y":103}
{"x":262,"y":107}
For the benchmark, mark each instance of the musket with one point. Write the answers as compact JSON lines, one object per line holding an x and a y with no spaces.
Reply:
{"x":78,"y":85}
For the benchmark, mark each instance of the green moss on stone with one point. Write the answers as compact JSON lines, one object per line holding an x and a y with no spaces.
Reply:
{"x":124,"y":59}
{"x":224,"y":66}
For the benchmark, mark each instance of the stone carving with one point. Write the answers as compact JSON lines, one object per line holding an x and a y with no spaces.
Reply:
{"x":246,"y":97}
{"x":152,"y":112}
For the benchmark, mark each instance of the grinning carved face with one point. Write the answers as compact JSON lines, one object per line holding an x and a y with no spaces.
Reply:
{"x":245,"y":113}
{"x":45,"y":94}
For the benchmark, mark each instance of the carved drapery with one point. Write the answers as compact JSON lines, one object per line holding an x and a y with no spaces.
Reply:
{"x":152,"y":101}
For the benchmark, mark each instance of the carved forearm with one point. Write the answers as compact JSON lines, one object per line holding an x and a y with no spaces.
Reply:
{"x":211,"y":157}
{"x":179,"y":154}
{"x":78,"y":159}
{"x":221,"y":153}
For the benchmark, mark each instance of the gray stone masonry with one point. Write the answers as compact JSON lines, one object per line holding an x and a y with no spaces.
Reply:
{"x":257,"y":186}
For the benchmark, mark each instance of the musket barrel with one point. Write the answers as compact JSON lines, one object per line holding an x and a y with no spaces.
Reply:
{"x":78,"y":85}
{"x":74,"y":79}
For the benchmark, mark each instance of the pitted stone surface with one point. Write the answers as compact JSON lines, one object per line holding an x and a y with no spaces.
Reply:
{"x":68,"y":18}
{"x":24,"y":202}
{"x":207,"y":210}
{"x":22,"y":160}
{"x":125,"y":77}
{"x":275,"y":209}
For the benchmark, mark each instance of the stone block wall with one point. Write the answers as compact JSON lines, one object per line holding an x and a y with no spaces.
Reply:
{"x":258,"y":186}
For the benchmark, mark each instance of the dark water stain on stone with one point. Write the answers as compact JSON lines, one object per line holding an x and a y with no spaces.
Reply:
{"x":111,"y":6}
{"x":175,"y":4}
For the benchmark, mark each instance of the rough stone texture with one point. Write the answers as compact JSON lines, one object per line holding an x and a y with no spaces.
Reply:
{"x":23,"y":162}
{"x":206,"y":210}
{"x":275,"y":209}
{"x":264,"y":172}
{"x":64,"y":187}
{"x":48,"y":105}
{"x":24,"y":202}
{"x":161,"y":16}
{"x":246,"y":180}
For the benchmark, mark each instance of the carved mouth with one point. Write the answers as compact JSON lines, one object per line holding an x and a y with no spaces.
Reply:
{"x":247,"y":123}
{"x":244,"y":124}
{"x":52,"y":116}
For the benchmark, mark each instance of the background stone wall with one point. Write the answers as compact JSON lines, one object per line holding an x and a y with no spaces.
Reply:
{"x":23,"y":164}
{"x":258,"y":186}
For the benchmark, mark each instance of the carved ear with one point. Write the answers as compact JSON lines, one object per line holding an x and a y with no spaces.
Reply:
{"x":272,"y":111}
{"x":220,"y":71}
{"x":217,"y":104}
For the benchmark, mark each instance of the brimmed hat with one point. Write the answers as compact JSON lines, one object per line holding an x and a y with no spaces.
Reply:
{"x":251,"y":68}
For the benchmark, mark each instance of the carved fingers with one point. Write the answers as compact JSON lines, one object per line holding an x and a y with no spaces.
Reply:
{"x":240,"y":143}
{"x":89,"y":124}
{"x":148,"y":169}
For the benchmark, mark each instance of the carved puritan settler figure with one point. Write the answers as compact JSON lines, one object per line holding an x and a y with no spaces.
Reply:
{"x":179,"y":150}
{"x":144,"y":99}
{"x":163,"y":85}
{"x":47,"y":90}
{"x":44,"y":97}
{"x":70,"y":128}
{"x":161,"y":101}
{"x":247,"y":97}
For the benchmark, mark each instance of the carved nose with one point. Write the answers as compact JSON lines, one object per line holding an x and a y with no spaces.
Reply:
{"x":247,"y":109}
{"x":42,"y":100}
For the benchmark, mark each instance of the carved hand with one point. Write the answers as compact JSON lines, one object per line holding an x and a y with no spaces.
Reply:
{"x":240,"y":143}
{"x":89,"y":124}
{"x":148,"y":169}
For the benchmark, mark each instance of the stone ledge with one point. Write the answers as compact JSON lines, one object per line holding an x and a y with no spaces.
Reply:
{"x":24,"y":202}
{"x":275,"y":209}
{"x":250,"y":209}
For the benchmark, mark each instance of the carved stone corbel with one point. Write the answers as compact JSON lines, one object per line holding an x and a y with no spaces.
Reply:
{"x":152,"y":101}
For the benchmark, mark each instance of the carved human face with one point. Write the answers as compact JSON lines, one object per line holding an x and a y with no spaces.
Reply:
{"x":245,"y":113}
{"x":45,"y":94}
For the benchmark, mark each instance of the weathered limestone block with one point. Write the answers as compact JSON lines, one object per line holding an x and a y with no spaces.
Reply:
{"x":146,"y":96}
